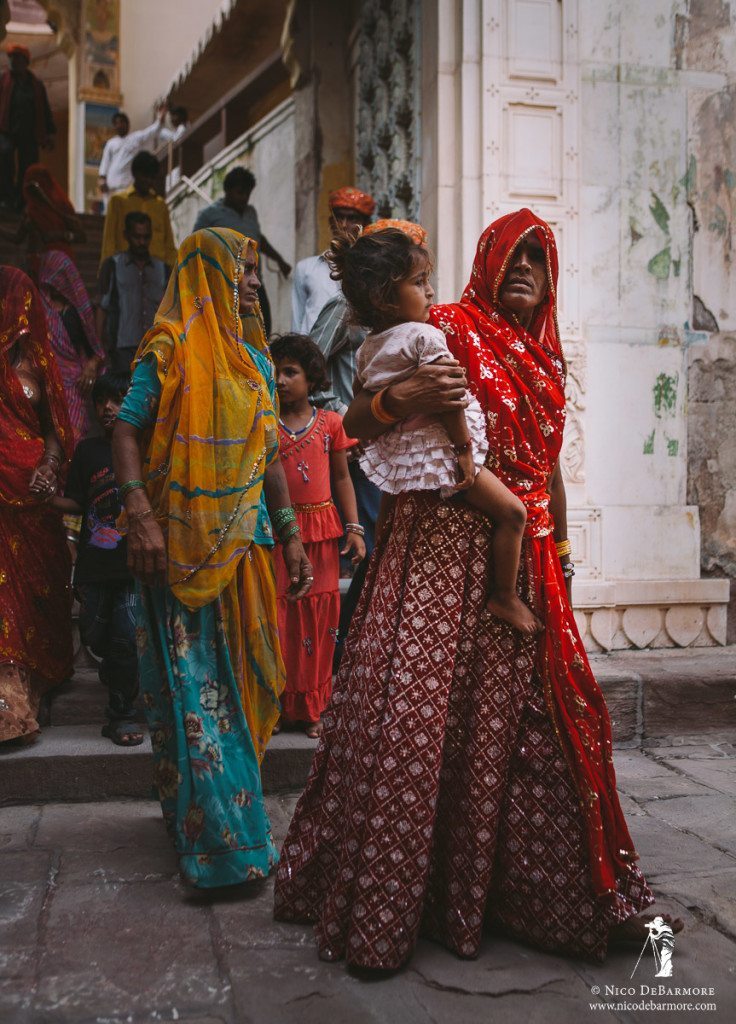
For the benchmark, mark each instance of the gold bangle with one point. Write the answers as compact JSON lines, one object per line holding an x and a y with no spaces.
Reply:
{"x":564,"y":547}
{"x":379,"y":411}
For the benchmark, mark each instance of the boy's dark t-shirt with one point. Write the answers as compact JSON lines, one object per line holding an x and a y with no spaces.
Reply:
{"x":91,"y":483}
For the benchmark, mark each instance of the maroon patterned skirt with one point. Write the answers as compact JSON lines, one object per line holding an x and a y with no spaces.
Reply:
{"x":439,"y":800}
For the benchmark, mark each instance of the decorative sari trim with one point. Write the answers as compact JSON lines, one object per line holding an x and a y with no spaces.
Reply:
{"x":519,"y":379}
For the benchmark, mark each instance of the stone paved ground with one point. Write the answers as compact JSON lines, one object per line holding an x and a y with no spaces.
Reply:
{"x":95,"y":927}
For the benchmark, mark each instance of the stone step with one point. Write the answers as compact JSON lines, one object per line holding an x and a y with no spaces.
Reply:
{"x":656,"y":699}
{"x":669,"y":697}
{"x":74,"y":762}
{"x":86,"y":254}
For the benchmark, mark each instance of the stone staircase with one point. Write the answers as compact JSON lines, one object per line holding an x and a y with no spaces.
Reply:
{"x":657,"y":699}
{"x":86,"y":255}
{"x":71,"y":760}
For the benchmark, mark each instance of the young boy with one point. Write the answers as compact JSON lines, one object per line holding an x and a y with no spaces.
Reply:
{"x":102,"y":581}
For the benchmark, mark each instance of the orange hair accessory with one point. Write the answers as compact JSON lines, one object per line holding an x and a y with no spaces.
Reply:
{"x":414,"y":231}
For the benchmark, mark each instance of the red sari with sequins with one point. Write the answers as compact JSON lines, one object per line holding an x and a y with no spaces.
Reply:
{"x":35,"y":592}
{"x":308,"y":628}
{"x":465,"y":774}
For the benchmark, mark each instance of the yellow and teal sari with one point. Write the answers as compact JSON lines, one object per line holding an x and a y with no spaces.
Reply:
{"x":209,"y":658}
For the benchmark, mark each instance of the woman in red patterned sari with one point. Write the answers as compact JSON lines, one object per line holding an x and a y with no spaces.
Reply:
{"x":465,"y":777}
{"x":36,"y":441}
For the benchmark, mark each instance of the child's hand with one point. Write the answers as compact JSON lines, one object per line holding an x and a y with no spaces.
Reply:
{"x":356,"y":545}
{"x":466,"y":469}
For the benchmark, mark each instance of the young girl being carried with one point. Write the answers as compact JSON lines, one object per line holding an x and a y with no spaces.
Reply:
{"x":385,"y":278}
{"x":313,"y":448}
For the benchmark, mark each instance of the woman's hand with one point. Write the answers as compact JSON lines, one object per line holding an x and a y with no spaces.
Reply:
{"x":147,"y":551}
{"x":88,"y":376}
{"x":301,"y":573}
{"x":355,"y":545}
{"x":43,"y":481}
{"x":433,"y":389}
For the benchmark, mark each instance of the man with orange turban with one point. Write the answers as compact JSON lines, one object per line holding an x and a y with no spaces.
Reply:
{"x":350,"y":209}
{"x":26,"y":124}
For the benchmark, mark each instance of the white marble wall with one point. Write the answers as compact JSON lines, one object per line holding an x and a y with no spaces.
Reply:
{"x":579,"y":110}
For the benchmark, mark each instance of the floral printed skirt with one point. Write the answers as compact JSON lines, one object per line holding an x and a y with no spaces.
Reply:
{"x":197,"y":682}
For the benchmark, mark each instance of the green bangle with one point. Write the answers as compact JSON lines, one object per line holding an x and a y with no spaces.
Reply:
{"x":289,"y":532}
{"x":282,"y":517}
{"x":132,"y":485}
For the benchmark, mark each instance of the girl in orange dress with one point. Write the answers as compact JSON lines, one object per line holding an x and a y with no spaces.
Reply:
{"x":313,"y":448}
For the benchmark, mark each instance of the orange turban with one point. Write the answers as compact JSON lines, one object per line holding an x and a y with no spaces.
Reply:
{"x":415,"y":231}
{"x":22,"y":50}
{"x":349,"y":198}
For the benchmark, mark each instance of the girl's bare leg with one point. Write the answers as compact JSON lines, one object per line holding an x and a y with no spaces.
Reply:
{"x":508,"y":516}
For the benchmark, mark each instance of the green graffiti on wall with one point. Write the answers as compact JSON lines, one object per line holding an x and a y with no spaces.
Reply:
{"x":665,"y":395}
{"x":649,"y":445}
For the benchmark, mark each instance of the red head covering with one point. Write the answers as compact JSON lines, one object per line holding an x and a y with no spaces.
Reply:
{"x":414,"y":231}
{"x":518,"y":376}
{"x":349,"y":198}
{"x":22,"y":321}
{"x":495,"y":248}
{"x":50,"y":209}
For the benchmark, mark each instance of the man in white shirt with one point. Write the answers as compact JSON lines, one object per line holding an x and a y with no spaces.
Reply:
{"x":117,"y":156}
{"x":350,"y":209}
{"x":179,"y":119}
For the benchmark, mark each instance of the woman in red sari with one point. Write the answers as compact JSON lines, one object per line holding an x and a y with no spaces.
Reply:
{"x":465,"y":776}
{"x":49,"y":221}
{"x":36,"y":441}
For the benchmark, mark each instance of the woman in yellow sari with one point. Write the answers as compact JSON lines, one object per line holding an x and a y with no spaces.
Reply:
{"x":196,"y":459}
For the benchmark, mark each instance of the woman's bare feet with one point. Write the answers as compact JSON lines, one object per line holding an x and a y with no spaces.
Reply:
{"x":313,"y":730}
{"x":633,"y":931}
{"x":512,"y":609}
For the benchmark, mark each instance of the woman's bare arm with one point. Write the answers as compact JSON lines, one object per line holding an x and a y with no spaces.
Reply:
{"x":558,"y":510}
{"x":146,"y":545}
{"x":301,"y":573}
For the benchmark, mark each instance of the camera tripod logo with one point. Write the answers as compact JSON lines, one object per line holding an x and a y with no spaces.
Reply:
{"x":662,"y":941}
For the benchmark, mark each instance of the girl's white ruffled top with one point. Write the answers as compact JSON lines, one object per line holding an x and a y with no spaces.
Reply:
{"x":416,"y":454}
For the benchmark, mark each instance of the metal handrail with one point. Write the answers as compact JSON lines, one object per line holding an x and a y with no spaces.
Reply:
{"x":195,"y":188}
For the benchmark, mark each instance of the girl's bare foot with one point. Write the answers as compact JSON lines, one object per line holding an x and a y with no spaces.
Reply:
{"x":512,"y":609}
{"x":313,"y":730}
{"x":276,"y":729}
{"x":633,"y":931}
